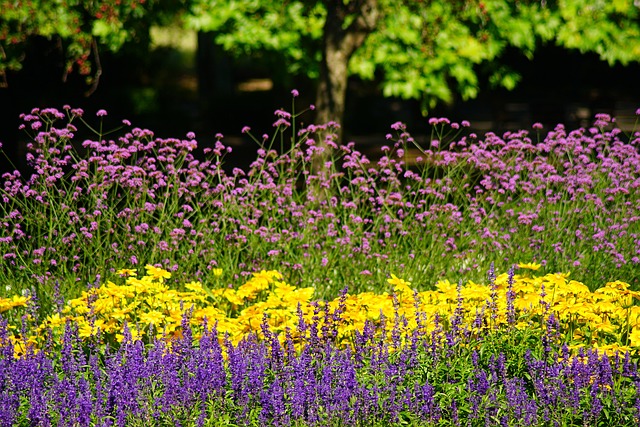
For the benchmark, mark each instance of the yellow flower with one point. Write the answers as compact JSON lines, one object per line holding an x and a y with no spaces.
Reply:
{"x":232,"y":297}
{"x":530,"y":266}
{"x":278,"y":316}
{"x":85,"y":330}
{"x":248,"y":290}
{"x":157,"y":273}
{"x":55,"y":320}
{"x":480,"y":293}
{"x":194,"y":286}
{"x":400,"y":286}
{"x":135,"y":335}
{"x":127,"y":272}
{"x":446,"y":288}
{"x":217,"y":272}
{"x":16,"y":301}
{"x":610,"y":349}
{"x":301,"y":296}
{"x":152,"y":317}
{"x":634,"y":337}
{"x":570,"y":306}
{"x":120,"y":314}
{"x":283,"y":289}
{"x":113,"y":290}
{"x":103,"y":305}
{"x":211,"y":313}
{"x":140,"y":286}
{"x":264,"y":278}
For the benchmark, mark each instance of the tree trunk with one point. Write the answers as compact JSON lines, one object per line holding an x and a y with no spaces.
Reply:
{"x":214,"y":73}
{"x":339,"y":43}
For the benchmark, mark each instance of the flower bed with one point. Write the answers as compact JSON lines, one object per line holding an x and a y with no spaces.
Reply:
{"x":263,"y":354}
{"x":445,"y":207}
{"x":606,"y":318}
{"x":280,"y":309}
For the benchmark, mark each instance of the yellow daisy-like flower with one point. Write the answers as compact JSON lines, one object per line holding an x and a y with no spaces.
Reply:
{"x":135,"y":335}
{"x":400,"y":286}
{"x":282,"y":289}
{"x":87,"y":330}
{"x":301,"y":296}
{"x":9,"y":303}
{"x":233,"y":297}
{"x":127,"y":272}
{"x":530,"y":266}
{"x":157,"y":273}
{"x":55,"y":320}
{"x":152,"y":317}
{"x":634,"y":337}
{"x":194,"y":286}
{"x":217,"y":272}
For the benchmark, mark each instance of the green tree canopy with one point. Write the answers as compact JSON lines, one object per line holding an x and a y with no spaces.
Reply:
{"x":78,"y":29}
{"x":418,"y":49}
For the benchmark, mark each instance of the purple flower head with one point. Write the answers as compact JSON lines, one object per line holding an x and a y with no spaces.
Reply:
{"x":101,"y":113}
{"x":281,"y":122}
{"x":282,"y":114}
{"x":295,"y":93}
{"x":398,"y":126}
{"x":603,"y":120}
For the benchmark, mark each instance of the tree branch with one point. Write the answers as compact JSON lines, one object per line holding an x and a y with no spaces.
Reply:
{"x":96,"y":78}
{"x":3,"y":74}
{"x":367,"y":20}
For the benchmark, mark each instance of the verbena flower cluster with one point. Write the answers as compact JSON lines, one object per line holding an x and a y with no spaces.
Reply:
{"x":440,"y":373}
{"x":322,"y":212}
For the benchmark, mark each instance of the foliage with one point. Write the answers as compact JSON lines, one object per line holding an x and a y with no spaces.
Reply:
{"x":291,"y":29}
{"x":77,"y":27}
{"x":426,"y":50}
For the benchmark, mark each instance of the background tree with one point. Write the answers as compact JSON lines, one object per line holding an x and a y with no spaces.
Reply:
{"x":428,"y":50}
{"x":76,"y":30}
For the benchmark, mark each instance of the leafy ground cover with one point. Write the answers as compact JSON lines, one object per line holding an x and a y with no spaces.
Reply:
{"x":312,"y":288}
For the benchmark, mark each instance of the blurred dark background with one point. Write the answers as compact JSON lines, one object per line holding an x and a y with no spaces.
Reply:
{"x":179,"y":88}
